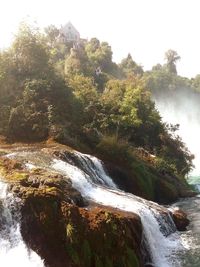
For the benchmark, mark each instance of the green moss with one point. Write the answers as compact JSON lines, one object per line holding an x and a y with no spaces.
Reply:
{"x":18,"y":176}
{"x":132,"y":260}
{"x":98,"y":262}
{"x":13,"y":175}
{"x":108,"y":262}
{"x":87,"y":253}
{"x":73,"y":255}
{"x":52,"y":189}
{"x":121,"y":262}
{"x":166,"y":191}
{"x":145,"y":179}
{"x":169,"y":189}
{"x":120,"y":153}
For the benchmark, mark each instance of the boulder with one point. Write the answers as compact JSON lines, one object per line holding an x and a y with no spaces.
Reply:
{"x":180,"y":219}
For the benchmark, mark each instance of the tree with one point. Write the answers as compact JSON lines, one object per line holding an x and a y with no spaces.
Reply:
{"x":30,"y":54}
{"x":8,"y":78}
{"x":52,"y":34}
{"x":160,"y":82}
{"x":171,"y":57}
{"x":99,"y":55}
{"x":77,"y":62}
{"x":157,"y":67}
{"x":111,"y":100}
{"x":196,"y":82}
{"x":129,"y":111}
{"x":130,"y":67}
{"x":84,"y":89}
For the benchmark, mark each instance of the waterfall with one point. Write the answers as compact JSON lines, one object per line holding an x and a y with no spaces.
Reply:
{"x":91,"y":180}
{"x":194,"y":181}
{"x":183,"y":109}
{"x":13,"y":251}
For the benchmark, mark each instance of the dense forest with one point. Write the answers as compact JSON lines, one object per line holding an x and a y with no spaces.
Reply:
{"x":77,"y":95}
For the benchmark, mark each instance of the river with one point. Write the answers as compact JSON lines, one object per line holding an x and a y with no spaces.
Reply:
{"x":191,"y":238}
{"x":184,"y":110}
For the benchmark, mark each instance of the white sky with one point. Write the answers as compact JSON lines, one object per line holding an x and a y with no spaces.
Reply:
{"x":145,"y":28}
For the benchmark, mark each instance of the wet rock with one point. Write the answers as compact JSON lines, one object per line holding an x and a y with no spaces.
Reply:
{"x":10,"y":165}
{"x":66,"y":235}
{"x":38,"y":183}
{"x":2,"y":217}
{"x":180,"y":219}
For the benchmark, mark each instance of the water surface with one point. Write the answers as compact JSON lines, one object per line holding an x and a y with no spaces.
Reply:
{"x":191,"y":238}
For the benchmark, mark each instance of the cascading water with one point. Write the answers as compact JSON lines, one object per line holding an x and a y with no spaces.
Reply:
{"x":90,"y":179}
{"x":94,"y":184}
{"x":13,"y":251}
{"x":182,"y":107}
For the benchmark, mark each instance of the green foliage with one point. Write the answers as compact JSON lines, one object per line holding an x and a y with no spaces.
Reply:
{"x":130,"y":112}
{"x":4,"y":118}
{"x":178,"y":158}
{"x":83,"y":89}
{"x":77,"y":94}
{"x":52,"y":34}
{"x":196,"y":83}
{"x":30,"y":54}
{"x":99,"y":54}
{"x":163,"y":166}
{"x":172,"y":57}
{"x":77,"y":62}
{"x":114,"y":148}
{"x":130,"y":67}
{"x":146,"y":179}
{"x":137,"y":106}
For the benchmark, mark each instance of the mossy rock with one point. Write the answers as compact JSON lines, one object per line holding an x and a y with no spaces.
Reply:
{"x":166,"y":192}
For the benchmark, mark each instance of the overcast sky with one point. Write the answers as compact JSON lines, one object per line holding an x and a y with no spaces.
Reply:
{"x":145,"y":28}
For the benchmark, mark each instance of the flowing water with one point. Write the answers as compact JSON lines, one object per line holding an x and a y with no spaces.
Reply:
{"x":13,"y":251}
{"x":191,"y":238}
{"x":94,"y":184}
{"x":88,"y":176}
{"x":183,"y":109}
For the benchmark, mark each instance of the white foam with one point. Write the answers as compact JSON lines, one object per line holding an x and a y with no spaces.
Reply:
{"x":187,"y":115}
{"x":13,"y":251}
{"x":30,"y":166}
{"x":161,"y":247}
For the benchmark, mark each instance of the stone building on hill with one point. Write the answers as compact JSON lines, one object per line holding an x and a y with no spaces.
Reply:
{"x":69,"y":33}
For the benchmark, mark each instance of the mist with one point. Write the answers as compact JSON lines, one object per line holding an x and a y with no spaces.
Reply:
{"x":182,"y":107}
